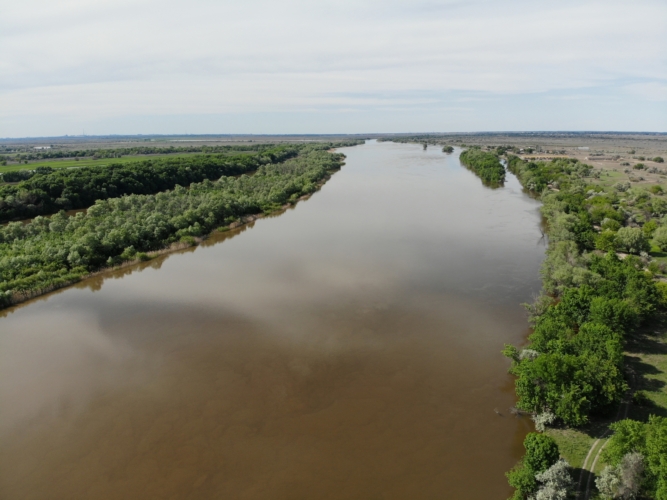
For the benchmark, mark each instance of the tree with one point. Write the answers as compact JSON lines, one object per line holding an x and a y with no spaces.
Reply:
{"x":624,"y":480}
{"x":660,"y":238}
{"x":608,"y":482}
{"x":556,"y":482}
{"x":632,"y":240}
{"x":541,"y":452}
{"x":606,"y":241}
{"x":543,"y":419}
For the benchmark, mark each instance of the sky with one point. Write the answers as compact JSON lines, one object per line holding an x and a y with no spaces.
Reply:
{"x":315,"y":67}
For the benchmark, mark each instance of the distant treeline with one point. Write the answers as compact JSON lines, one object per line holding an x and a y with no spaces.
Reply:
{"x":137,"y":150}
{"x":47,"y":191}
{"x":486,"y":165}
{"x":51,"y":252}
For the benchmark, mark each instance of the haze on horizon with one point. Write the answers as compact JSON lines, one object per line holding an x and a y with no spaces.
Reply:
{"x":291,"y":66}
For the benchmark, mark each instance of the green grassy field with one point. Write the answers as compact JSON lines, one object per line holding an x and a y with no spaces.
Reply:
{"x":89,"y":162}
{"x":573,"y":444}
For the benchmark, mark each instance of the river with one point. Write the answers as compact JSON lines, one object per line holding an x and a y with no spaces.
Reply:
{"x":348,"y":348}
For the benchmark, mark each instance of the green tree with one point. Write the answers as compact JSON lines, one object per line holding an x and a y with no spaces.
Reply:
{"x":660,"y":238}
{"x":606,"y":241}
{"x":632,"y":240}
{"x":541,"y":452}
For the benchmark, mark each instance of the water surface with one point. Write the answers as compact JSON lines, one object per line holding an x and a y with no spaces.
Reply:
{"x":348,"y":348}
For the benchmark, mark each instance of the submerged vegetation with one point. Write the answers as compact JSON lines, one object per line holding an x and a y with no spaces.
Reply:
{"x":51,"y":252}
{"x":486,"y":165}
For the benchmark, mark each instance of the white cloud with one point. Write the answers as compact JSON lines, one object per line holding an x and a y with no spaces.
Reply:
{"x":89,"y":60}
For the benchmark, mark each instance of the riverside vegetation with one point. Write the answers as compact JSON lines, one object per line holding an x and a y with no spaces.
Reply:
{"x":45,"y":191}
{"x":48,"y":253}
{"x":21,"y":155}
{"x":599,"y":287}
{"x":485,"y":164}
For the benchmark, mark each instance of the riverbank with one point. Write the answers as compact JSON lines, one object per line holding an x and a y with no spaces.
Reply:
{"x":585,"y":220}
{"x":19,"y":298}
{"x":50,"y":253}
{"x":600,"y":283}
{"x":290,"y":350}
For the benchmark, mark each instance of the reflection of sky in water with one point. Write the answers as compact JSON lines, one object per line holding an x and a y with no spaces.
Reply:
{"x":396,"y":219}
{"x":390,"y":292}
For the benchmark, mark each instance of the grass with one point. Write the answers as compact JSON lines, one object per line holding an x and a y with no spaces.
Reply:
{"x":573,"y":444}
{"x":658,"y":255}
{"x":647,"y":358}
{"x":89,"y":162}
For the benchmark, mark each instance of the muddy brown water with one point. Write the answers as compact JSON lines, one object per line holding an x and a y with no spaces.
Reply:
{"x":348,"y":348}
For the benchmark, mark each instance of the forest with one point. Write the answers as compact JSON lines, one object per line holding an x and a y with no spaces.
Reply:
{"x":46,"y":191}
{"x":20,"y":154}
{"x":48,"y":253}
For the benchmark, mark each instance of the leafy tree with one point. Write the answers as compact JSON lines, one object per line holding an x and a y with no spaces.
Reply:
{"x":636,"y":454}
{"x":632,"y":240}
{"x":541,"y":452}
{"x":660,"y":237}
{"x":556,"y":482}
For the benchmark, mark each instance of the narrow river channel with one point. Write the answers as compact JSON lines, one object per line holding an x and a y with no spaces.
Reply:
{"x":348,"y":348}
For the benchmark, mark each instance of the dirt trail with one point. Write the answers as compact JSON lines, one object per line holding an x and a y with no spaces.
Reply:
{"x":623,"y":410}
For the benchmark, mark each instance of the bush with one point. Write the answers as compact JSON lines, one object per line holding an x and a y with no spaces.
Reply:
{"x":659,"y":159}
